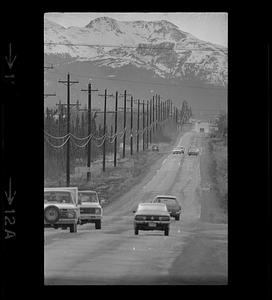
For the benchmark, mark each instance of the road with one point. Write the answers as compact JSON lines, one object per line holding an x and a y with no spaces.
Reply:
{"x":194,"y":252}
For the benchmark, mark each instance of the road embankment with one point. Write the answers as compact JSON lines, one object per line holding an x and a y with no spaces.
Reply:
{"x":213,"y":170}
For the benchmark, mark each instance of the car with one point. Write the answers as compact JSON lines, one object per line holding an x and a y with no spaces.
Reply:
{"x":155,"y":148}
{"x":182,"y":148}
{"x":61,"y":208}
{"x":177,"y":151}
{"x":193,"y":151}
{"x":90,"y":208}
{"x":151,"y":216}
{"x":171,"y":203}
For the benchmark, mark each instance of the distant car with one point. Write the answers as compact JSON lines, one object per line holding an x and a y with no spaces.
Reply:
{"x":182,"y":148}
{"x":61,"y":208}
{"x":171,"y":203}
{"x":155,"y":148}
{"x":193,"y":151}
{"x":152,"y":216}
{"x":177,"y":151}
{"x":90,"y":208}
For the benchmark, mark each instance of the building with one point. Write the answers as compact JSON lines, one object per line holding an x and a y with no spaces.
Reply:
{"x":202,"y":127}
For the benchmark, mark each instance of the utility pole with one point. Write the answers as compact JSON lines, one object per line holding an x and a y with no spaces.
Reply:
{"x":125,"y":120}
{"x":115,"y":128}
{"x":138,"y":124}
{"x":157,"y":113}
{"x":143,"y":125}
{"x":104,"y":129}
{"x":89,"y":90}
{"x":159,"y":108}
{"x":161,"y":115}
{"x":131,"y":126}
{"x":153,"y":115}
{"x":147,"y":124}
{"x":150,"y":121}
{"x":69,"y":83}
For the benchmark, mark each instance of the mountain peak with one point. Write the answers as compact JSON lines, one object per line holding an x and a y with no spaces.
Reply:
{"x":103,"y":21}
{"x":167,"y":23}
{"x":50,"y":24}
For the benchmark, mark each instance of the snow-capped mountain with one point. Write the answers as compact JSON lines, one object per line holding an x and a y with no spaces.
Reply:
{"x":159,"y":46}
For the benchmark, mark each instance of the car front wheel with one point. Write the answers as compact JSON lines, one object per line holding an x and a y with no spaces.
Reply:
{"x":136,"y":231}
{"x":98,"y":224}
{"x":166,"y":231}
{"x":73,"y":228}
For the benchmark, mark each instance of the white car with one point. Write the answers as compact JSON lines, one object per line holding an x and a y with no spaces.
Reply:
{"x":177,"y":151}
{"x":193,"y":151}
{"x":182,"y":148}
{"x":151,"y":216}
{"x":90,"y":208}
{"x":61,"y":208}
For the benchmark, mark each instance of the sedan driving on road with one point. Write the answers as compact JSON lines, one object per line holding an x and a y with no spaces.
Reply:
{"x":90,"y":208}
{"x":181,"y":148}
{"x":152,"y":216}
{"x":171,"y":203}
{"x":177,"y":151}
{"x":193,"y":151}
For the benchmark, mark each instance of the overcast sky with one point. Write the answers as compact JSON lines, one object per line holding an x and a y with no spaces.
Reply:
{"x":211,"y":27}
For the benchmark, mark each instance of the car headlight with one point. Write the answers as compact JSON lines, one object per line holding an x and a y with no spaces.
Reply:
{"x":97,"y":211}
{"x":71,"y":213}
{"x":140,"y":218}
{"x":164,"y":218}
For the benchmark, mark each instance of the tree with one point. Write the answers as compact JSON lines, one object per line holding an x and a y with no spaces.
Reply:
{"x":222,"y":125}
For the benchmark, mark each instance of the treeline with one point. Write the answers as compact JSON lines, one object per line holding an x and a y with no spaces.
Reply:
{"x":142,"y":127}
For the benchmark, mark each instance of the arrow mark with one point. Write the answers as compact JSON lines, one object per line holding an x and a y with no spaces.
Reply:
{"x":9,"y":196}
{"x":9,"y":60}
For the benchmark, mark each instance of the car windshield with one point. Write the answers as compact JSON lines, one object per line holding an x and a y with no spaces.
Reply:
{"x":57,"y":197}
{"x":151,"y":207}
{"x":167,"y":201}
{"x":87,"y":197}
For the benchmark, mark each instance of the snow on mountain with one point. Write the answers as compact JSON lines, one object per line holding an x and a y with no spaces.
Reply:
{"x":158,"y":45}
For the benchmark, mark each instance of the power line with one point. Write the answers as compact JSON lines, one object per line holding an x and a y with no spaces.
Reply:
{"x":135,"y":47}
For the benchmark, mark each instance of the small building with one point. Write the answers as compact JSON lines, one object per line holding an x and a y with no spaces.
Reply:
{"x":202,"y":127}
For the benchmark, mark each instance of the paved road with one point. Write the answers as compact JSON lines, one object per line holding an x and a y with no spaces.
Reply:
{"x":193,"y":253}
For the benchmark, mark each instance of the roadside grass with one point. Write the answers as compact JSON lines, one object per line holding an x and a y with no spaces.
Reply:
{"x":220,"y":171}
{"x":213,"y":168}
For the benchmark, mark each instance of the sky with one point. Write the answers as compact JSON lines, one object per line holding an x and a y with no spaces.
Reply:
{"x":210,"y":27}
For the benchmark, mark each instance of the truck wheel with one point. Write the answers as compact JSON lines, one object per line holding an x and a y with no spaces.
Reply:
{"x":136,"y":231}
{"x":98,"y":224}
{"x":166,"y":231}
{"x":177,"y":217}
{"x":51,"y":214}
{"x":73,"y":228}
